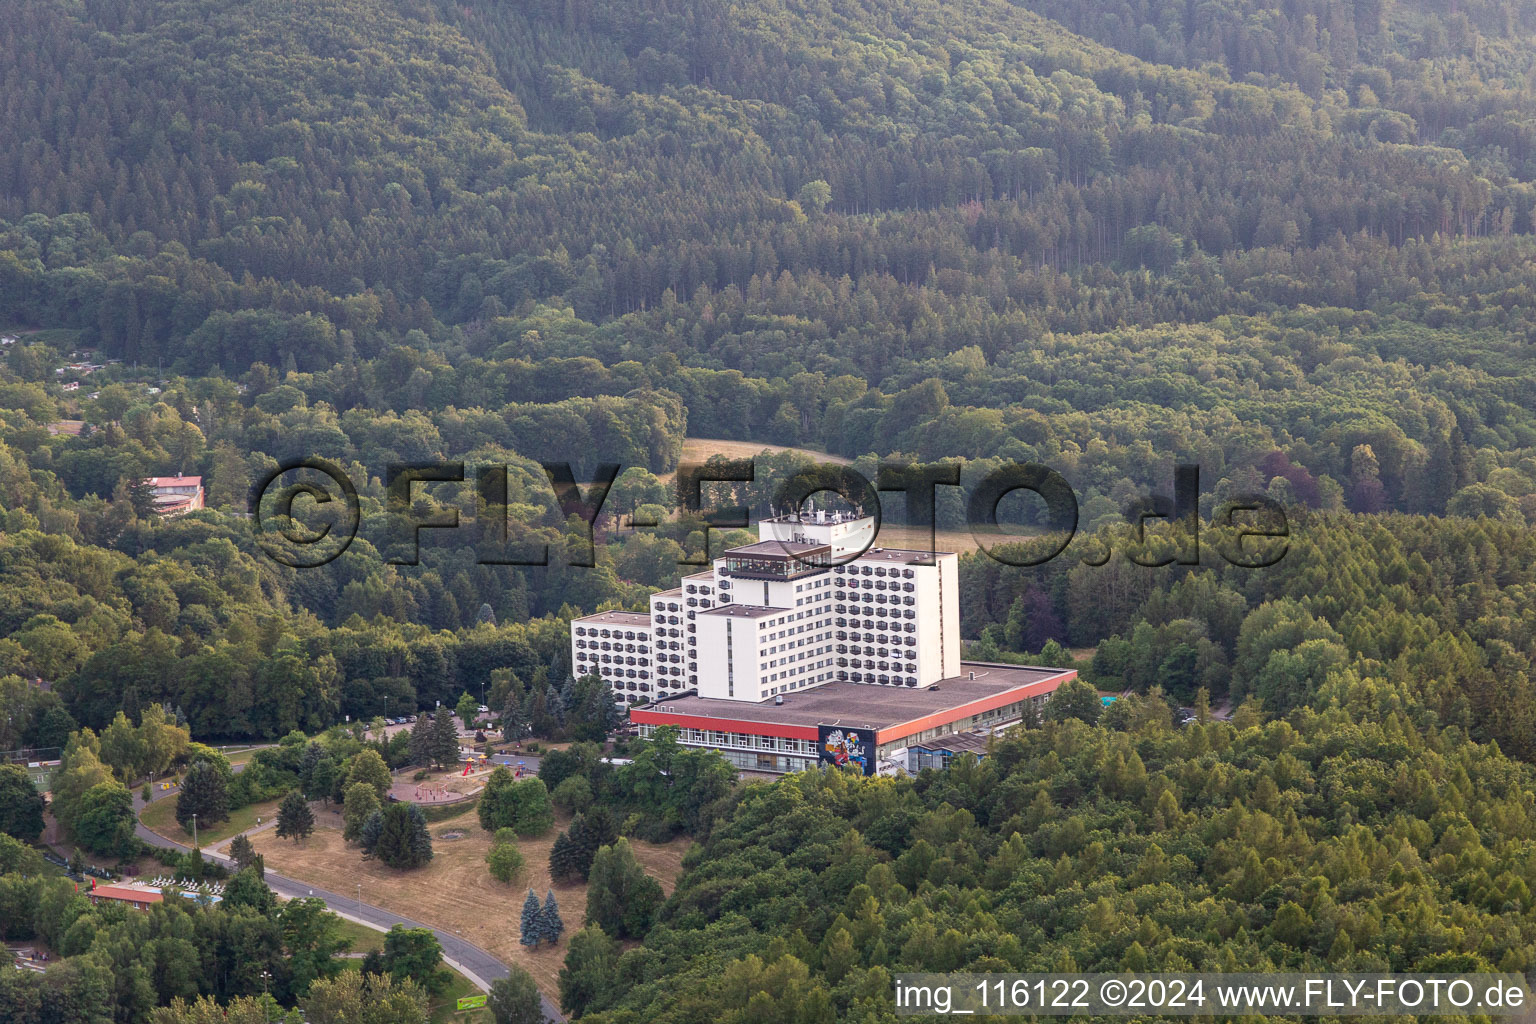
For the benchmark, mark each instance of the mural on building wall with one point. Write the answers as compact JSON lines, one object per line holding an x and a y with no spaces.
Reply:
{"x":842,"y":747}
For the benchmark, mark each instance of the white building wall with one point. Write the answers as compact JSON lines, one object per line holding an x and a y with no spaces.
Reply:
{"x":729,"y":657}
{"x":620,"y":652}
{"x":883,"y":618}
{"x":670,"y":622}
{"x":899,"y":624}
{"x":938,"y":620}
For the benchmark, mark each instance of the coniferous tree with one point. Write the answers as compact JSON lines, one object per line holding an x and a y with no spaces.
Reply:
{"x":368,"y":835}
{"x":242,"y":852}
{"x":314,"y":753}
{"x":421,"y":740}
{"x":294,"y":818}
{"x":572,"y":854}
{"x":550,"y":925}
{"x":203,"y":794}
{"x":139,"y":495}
{"x":421,"y":836}
{"x":445,"y":738}
{"x":592,"y":714}
{"x":403,"y":839}
{"x":514,"y":722}
{"x":327,"y":782}
{"x":564,"y":864}
{"x":532,"y":912}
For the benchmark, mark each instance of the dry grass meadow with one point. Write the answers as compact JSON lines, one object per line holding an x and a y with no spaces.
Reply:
{"x":701,"y":449}
{"x":456,"y":892}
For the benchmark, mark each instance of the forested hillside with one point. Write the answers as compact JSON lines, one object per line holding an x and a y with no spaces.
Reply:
{"x":1293,"y":243}
{"x":1332,"y":844}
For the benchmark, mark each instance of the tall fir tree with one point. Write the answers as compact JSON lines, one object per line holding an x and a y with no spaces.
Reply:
{"x":587,"y":833}
{"x":403,"y":840}
{"x":421,"y":836}
{"x":514,"y":720}
{"x":550,"y":925}
{"x":421,"y":740}
{"x":563,"y":862}
{"x":445,"y":737}
{"x":532,"y":914}
{"x":368,"y":836}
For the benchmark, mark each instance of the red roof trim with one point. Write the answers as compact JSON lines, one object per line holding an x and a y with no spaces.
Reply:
{"x":791,"y":732}
{"x":898,"y":731}
{"x":997,"y":700}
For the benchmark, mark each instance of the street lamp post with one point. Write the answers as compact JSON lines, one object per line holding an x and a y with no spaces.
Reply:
{"x":194,"y":830}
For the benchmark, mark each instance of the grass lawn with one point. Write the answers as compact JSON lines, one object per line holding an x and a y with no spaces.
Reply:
{"x":364,"y":939}
{"x":160,"y":818}
{"x":241,"y":756}
{"x":442,"y":1008}
{"x":455,"y":892}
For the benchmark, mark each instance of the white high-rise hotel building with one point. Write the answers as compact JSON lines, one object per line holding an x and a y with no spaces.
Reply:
{"x":787,"y":613}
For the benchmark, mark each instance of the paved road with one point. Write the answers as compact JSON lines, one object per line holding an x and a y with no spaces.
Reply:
{"x":469,"y":959}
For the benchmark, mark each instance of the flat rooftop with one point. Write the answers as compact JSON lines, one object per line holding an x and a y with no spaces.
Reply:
{"x":865,"y":705}
{"x":823,"y":518}
{"x":743,"y":611}
{"x":901,"y":556}
{"x":776,"y":549}
{"x":616,"y":618}
{"x":958,"y":742}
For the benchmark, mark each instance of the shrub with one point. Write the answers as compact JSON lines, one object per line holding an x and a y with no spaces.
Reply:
{"x":505,"y":862}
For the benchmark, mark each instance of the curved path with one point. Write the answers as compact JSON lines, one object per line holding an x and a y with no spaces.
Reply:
{"x":467,"y":958}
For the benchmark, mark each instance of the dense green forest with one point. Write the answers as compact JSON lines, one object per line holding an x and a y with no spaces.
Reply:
{"x":1290,"y":242}
{"x":1350,"y":840}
